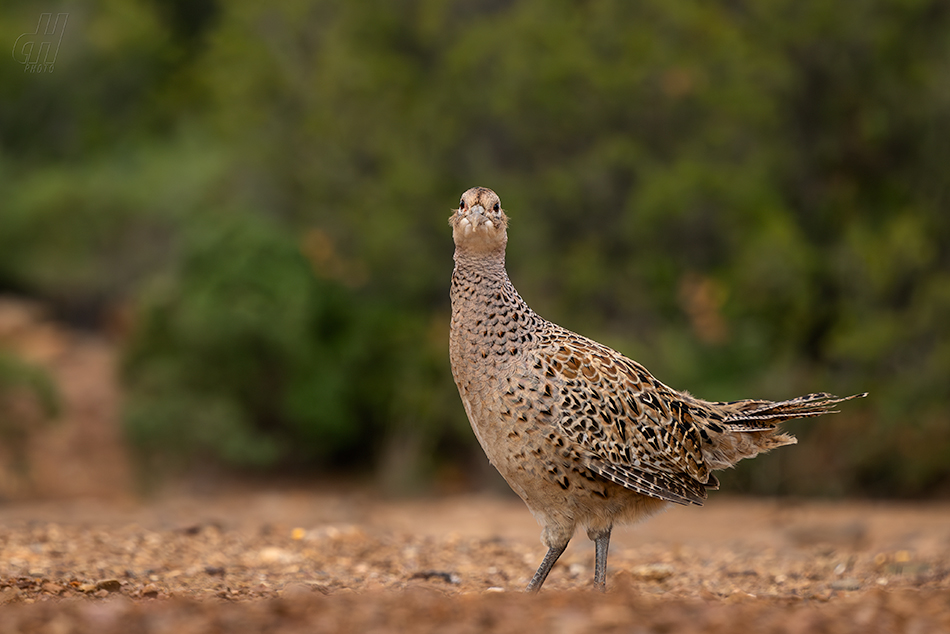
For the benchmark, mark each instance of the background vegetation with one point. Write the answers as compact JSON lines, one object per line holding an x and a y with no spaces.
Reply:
{"x":750,"y":198}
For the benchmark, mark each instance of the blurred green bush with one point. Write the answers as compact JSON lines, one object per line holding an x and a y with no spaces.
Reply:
{"x":749,"y":198}
{"x":27,"y":399}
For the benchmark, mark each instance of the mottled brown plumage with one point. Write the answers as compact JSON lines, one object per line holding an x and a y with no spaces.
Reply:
{"x":586,"y":437}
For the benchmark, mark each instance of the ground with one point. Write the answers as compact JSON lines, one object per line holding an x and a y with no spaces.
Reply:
{"x":81,"y":553}
{"x":300,"y":559}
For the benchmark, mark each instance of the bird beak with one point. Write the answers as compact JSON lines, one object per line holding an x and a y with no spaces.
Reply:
{"x":477,"y":209}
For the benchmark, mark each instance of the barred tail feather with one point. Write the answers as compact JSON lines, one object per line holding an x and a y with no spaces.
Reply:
{"x":764,"y":416}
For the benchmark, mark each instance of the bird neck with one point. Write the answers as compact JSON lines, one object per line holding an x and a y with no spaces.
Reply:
{"x":481,"y":283}
{"x":485,"y":263}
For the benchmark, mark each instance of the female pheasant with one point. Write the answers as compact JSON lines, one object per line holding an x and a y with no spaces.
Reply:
{"x":587,"y":437}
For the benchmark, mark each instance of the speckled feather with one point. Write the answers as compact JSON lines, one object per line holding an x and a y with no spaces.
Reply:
{"x":586,"y":436}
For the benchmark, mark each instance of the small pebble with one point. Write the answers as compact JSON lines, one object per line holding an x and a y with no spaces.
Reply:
{"x":847,"y":583}
{"x":109,"y":585}
{"x":653,"y":572}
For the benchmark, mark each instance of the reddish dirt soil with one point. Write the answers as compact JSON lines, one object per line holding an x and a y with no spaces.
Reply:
{"x":303,"y":560}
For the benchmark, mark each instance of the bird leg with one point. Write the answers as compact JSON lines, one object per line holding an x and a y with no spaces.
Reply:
{"x":601,"y":541}
{"x":546,"y":564}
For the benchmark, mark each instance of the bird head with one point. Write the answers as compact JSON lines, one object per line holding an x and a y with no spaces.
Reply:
{"x":479,"y":223}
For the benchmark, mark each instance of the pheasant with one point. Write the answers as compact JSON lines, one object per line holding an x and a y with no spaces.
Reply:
{"x":585,"y":436}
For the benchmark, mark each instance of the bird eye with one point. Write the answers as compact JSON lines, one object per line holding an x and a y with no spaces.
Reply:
{"x":461,"y":205}
{"x":497,"y":207}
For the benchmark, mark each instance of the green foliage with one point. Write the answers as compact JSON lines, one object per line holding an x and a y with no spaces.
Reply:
{"x":244,"y":354}
{"x":16,"y":374}
{"x":748,"y":197}
{"x":27,"y":397}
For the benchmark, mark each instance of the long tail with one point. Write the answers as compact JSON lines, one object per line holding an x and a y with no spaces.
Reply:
{"x":749,"y":416}
{"x":751,"y":427}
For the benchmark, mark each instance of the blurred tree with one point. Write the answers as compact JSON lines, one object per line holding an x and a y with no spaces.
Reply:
{"x":27,"y":399}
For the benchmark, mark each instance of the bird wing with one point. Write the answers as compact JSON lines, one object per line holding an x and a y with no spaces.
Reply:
{"x":626,"y":425}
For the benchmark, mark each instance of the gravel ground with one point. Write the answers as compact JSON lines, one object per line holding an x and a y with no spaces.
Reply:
{"x":295,"y":561}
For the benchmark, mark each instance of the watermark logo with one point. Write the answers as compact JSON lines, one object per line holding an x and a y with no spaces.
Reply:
{"x":37,"y":51}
